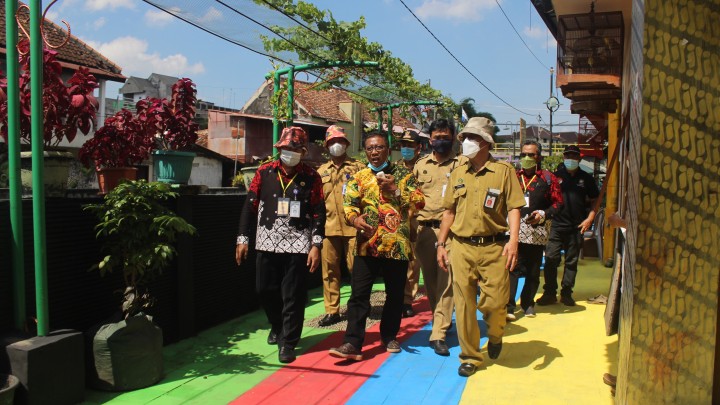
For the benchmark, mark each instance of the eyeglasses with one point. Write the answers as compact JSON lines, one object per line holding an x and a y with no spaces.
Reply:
{"x":522,"y":155}
{"x":378,"y":148}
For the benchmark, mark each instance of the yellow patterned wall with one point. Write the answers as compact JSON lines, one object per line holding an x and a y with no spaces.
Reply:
{"x":669,"y":316}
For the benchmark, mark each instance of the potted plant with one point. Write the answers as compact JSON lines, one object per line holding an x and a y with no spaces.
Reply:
{"x":171,"y":123}
{"x":114,"y":148}
{"x":67,"y":109}
{"x":138,"y":232}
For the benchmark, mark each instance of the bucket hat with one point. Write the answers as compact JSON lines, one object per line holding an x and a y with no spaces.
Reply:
{"x":479,"y":126}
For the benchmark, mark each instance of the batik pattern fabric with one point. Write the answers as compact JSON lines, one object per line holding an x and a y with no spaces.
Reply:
{"x":543,"y":192}
{"x":277,"y":233}
{"x":388,"y":214}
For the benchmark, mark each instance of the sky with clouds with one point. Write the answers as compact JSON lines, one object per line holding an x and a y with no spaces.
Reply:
{"x":143,"y":40}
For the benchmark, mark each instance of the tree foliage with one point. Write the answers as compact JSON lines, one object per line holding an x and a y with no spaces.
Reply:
{"x":342,"y":40}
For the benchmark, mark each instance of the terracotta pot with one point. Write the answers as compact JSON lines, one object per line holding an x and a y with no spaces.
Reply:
{"x":110,"y":177}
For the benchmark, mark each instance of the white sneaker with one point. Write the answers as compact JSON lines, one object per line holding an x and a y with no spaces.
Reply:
{"x":530,"y":312}
{"x":510,"y":317}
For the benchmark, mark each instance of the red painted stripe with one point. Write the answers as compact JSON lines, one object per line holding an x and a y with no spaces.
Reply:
{"x":316,"y":377}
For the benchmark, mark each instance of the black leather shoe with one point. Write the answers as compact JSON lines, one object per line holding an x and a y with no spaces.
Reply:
{"x":567,"y":300}
{"x":407,"y":311}
{"x":286,"y":355}
{"x":494,"y":350}
{"x":329,"y":319}
{"x":440,"y":347}
{"x":466,"y":370}
{"x":272,"y":338}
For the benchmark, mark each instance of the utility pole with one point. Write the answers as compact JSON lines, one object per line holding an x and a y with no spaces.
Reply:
{"x":552,"y":104}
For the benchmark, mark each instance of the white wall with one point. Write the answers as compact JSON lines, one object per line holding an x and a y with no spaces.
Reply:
{"x":206,"y":172}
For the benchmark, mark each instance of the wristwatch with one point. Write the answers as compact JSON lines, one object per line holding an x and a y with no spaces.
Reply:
{"x":397,"y":192}
{"x":437,"y":244}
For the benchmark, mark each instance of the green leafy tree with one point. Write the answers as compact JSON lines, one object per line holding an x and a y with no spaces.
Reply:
{"x":342,"y":40}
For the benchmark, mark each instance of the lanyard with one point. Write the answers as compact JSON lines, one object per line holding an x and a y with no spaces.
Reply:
{"x":282,"y":184}
{"x":525,"y":186}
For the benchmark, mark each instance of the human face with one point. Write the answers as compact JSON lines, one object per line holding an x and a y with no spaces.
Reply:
{"x":530,"y":150}
{"x":443,"y":134}
{"x":376,"y":149}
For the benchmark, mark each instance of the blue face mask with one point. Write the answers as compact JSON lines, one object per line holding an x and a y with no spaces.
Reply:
{"x":407,"y":153}
{"x":571,"y":164}
{"x":379,"y":168}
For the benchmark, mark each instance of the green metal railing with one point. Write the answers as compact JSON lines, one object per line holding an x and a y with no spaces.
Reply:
{"x":290,"y":72}
{"x":390,"y":107}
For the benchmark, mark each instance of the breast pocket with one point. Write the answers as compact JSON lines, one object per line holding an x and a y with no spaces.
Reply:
{"x":424,"y":179}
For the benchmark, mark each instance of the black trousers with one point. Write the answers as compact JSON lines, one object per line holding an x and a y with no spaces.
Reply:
{"x":528,"y":266}
{"x":365,"y":270}
{"x":280,"y":285}
{"x":568,"y":240}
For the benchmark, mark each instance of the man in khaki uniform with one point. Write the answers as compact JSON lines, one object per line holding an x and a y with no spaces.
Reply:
{"x":481,"y":204}
{"x":339,"y":243}
{"x":410,"y":150}
{"x":433,"y":174}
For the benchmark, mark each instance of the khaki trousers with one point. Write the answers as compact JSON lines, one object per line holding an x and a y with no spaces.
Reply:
{"x":472,"y":266}
{"x":413,"y":277}
{"x":335,"y":248}
{"x":438,"y":283}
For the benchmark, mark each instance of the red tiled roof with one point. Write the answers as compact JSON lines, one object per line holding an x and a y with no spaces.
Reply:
{"x":325,"y":103}
{"x":73,"y":54}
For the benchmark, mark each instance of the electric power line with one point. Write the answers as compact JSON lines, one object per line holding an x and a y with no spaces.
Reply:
{"x":460,"y":63}
{"x":518,"y":34}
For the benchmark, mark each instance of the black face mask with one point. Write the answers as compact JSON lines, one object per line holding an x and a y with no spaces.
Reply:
{"x":441,"y":146}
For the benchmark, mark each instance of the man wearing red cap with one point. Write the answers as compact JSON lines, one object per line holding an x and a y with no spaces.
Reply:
{"x":286,"y":199}
{"x":339,"y":243}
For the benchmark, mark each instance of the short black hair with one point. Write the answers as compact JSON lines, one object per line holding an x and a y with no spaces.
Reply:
{"x":442,"y":123}
{"x":535,"y":143}
{"x":376,"y":133}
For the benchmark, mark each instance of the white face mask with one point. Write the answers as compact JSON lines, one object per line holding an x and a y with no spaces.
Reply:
{"x":289,"y":157}
{"x":337,"y":149}
{"x":470,"y":148}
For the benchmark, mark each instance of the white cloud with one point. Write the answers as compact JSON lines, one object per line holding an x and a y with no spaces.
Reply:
{"x":99,"y":23}
{"x":469,"y":10}
{"x":97,"y":5}
{"x":157,"y":18}
{"x":540,"y":33}
{"x":132,"y":55}
{"x":212,"y":14}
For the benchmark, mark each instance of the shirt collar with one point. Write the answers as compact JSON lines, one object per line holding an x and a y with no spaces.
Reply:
{"x":486,"y":166}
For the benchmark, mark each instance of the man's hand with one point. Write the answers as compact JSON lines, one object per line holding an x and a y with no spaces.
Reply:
{"x":313,"y":260}
{"x":442,"y":258}
{"x":363,"y":227}
{"x":241,"y":252}
{"x":510,"y":250}
{"x":585,"y":225}
{"x":534,"y":218}
{"x":387,"y":184}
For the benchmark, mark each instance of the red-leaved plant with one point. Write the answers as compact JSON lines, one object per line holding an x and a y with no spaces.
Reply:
{"x":121,"y":142}
{"x":67,"y":108}
{"x":170,"y":122}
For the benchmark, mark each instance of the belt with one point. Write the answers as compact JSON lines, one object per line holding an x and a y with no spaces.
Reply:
{"x":430,"y":224}
{"x":480,"y":240}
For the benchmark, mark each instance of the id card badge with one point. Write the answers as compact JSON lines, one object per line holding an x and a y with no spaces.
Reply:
{"x":443,"y":190}
{"x":344,"y":188}
{"x":294,"y":209}
{"x":527,"y":199}
{"x":283,"y":207}
{"x":491,"y":198}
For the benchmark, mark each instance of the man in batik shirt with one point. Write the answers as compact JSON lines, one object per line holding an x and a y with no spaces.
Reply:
{"x":377,"y":203}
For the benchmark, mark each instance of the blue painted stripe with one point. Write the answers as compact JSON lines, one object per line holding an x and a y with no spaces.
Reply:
{"x":417,"y":375}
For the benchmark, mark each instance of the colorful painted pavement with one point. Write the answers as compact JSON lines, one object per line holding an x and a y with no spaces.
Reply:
{"x":558,"y":357}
